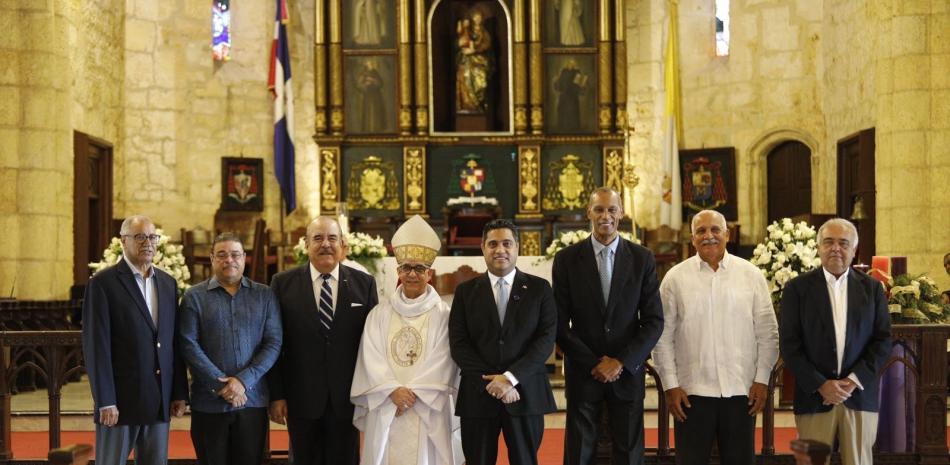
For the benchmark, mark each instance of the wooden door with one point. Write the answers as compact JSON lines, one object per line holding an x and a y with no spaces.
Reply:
{"x":789,"y":180}
{"x":856,"y":181}
{"x":92,"y":202}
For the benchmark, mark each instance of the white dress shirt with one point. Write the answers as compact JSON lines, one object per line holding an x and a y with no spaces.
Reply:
{"x":720,"y":333}
{"x":838,"y":294}
{"x":147,"y":287}
{"x":509,"y":279}
{"x":317,"y":278}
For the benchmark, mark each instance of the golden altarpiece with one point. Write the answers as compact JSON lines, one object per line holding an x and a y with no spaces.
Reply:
{"x":465,"y":110}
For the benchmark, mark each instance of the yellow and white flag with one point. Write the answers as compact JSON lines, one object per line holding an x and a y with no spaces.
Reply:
{"x":671,"y":205}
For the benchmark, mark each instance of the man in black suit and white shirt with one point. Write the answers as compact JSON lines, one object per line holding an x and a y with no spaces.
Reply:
{"x":136,"y":374}
{"x":501,"y":332}
{"x":609,"y":319}
{"x":323,"y":308}
{"x":835,"y":335}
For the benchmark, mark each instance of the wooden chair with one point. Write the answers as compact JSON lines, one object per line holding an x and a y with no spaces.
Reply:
{"x":809,"y":452}
{"x":446,"y":283}
{"x":196,"y":248}
{"x":463,"y":228}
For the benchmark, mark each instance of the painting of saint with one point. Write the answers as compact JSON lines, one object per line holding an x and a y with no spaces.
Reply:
{"x":369,"y":22}
{"x":369,"y":85}
{"x":570,"y":28}
{"x":570,"y":84}
{"x":368,"y":95}
{"x":474,"y":64}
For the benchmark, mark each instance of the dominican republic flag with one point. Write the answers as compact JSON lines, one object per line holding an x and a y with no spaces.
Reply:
{"x":279,"y":84}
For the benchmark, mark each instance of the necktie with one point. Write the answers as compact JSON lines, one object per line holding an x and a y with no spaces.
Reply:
{"x":326,"y":303}
{"x":605,"y":269}
{"x":501,"y":300}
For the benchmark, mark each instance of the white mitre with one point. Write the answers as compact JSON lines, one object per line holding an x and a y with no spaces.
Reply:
{"x":416,"y":240}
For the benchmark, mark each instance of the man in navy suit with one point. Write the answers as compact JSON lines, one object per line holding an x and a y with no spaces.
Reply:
{"x":128,"y":337}
{"x":609,"y":319}
{"x":501,"y":332}
{"x":835,"y":335}
{"x":323,"y":307}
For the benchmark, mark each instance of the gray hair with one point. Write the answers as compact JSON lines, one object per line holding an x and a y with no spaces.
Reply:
{"x":328,"y":219}
{"x":844,"y":224}
{"x":718,"y":216}
{"x":128,"y":222}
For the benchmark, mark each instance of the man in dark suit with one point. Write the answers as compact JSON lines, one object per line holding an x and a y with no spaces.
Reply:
{"x":834,"y":336}
{"x":501,"y":332}
{"x":609,"y":319}
{"x":323,"y":308}
{"x":135,"y":372}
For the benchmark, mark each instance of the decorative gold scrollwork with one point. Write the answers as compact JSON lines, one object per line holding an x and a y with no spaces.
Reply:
{"x":372,"y":184}
{"x":529,"y":174}
{"x":613,"y":169}
{"x":414,"y":174}
{"x":570,"y":182}
{"x":530,"y":243}
{"x":329,"y":179}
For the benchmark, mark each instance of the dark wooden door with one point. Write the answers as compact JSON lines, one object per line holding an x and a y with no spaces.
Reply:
{"x":92,"y":202}
{"x":856,"y":182}
{"x":789,"y":180}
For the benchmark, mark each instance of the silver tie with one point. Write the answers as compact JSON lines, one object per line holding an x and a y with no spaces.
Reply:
{"x":501,"y":300}
{"x":605,"y":269}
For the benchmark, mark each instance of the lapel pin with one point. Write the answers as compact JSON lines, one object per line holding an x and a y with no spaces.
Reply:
{"x":516,"y":297}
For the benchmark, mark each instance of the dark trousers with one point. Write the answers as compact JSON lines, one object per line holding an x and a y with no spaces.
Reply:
{"x":522,"y":437}
{"x":230,"y":438}
{"x":708,"y":418}
{"x":329,"y":440}
{"x":625,"y":419}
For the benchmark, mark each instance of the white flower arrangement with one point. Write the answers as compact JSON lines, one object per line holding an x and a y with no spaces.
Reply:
{"x":915,"y":300}
{"x":168,"y":258}
{"x":572,"y":237}
{"x":789,"y":250}
{"x":363,"y":249}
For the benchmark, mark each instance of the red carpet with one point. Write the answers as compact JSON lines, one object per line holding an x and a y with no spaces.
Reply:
{"x":36,"y":444}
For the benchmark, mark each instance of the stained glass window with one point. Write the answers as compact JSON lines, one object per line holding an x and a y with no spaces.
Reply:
{"x":722,"y":28}
{"x":221,"y":30}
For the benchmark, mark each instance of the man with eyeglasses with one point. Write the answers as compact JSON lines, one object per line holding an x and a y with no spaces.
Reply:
{"x":405,"y":377}
{"x":136,"y":376}
{"x":323,"y":306}
{"x":501,"y":330}
{"x":230,"y":336}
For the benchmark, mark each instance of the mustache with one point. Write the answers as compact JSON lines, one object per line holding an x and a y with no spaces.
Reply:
{"x":709,"y":242}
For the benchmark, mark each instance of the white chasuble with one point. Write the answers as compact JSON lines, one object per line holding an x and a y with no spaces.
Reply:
{"x":405,"y":343}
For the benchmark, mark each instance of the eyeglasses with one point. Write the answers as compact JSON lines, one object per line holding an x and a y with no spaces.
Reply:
{"x":141,"y":238}
{"x":233,"y":255}
{"x":407,"y":268}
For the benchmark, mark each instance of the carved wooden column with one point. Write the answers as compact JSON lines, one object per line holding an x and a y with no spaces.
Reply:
{"x":319,"y":68}
{"x":604,"y":69}
{"x":405,"y":69}
{"x":330,"y":165}
{"x":536,"y":68}
{"x":336,"y":68}
{"x":620,"y":65}
{"x":521,"y":69}
{"x":422,"y":69}
{"x":931,"y":393}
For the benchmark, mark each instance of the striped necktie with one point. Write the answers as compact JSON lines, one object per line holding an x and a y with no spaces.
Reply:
{"x":326,"y":303}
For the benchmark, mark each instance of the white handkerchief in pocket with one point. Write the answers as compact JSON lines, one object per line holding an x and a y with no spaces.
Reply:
{"x":356,"y":304}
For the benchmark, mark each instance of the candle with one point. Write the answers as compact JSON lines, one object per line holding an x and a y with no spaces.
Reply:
{"x":898,"y":266}
{"x":880,"y":268}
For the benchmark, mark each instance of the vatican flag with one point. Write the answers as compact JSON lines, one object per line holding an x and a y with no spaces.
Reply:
{"x":671,"y":205}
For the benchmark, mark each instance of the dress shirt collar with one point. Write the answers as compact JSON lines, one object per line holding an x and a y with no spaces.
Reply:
{"x":598,"y":246}
{"x":832,"y":280}
{"x":509,"y":278}
{"x":213,"y":283}
{"x":315,"y":274}
{"x":723,"y":264}
{"x":136,"y":271}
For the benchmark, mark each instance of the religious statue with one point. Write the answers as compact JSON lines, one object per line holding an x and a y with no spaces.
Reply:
{"x":369,"y":22}
{"x":474,"y":67}
{"x":369,"y":100}
{"x":569,"y":21}
{"x":569,"y":84}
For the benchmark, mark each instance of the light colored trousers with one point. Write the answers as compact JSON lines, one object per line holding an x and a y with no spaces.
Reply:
{"x":855,"y":430}
{"x":113,"y":444}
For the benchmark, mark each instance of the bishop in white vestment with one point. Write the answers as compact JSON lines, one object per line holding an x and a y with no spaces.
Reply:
{"x":405,"y":380}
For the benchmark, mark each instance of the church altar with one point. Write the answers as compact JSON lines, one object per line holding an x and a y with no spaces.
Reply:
{"x":386,"y":269}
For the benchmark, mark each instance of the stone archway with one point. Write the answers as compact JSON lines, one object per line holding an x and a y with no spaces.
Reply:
{"x":758,"y":154}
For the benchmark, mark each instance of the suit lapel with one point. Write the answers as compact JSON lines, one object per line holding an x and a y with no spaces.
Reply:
{"x":623,"y":262}
{"x":588,"y":268}
{"x":342,"y":294}
{"x":127,"y":278}
{"x":824,"y":308}
{"x":856,"y":302}
{"x":519,"y":288}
